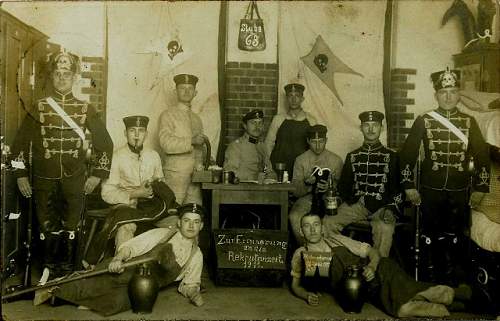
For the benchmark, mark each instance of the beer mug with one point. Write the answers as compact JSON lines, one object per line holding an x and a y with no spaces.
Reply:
{"x":280,"y":170}
{"x":216,"y":176}
{"x":228,"y":177}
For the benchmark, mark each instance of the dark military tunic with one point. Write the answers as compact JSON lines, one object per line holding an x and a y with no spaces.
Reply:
{"x":58,"y":158}
{"x":57,"y":148}
{"x":445,"y":164}
{"x":371,"y":172}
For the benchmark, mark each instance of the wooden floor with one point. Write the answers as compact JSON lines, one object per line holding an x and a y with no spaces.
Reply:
{"x":234,"y":302}
{"x":220,"y":303}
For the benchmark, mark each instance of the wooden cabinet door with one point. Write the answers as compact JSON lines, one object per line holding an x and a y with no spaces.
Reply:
{"x":14,"y":37}
{"x":491,"y":71}
{"x":15,"y":70}
{"x":480,"y":69}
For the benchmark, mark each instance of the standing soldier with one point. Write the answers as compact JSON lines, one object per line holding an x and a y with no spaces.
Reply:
{"x":287,"y":135}
{"x":451,"y":141}
{"x":369,"y":186}
{"x":55,"y":129}
{"x":181,"y":138}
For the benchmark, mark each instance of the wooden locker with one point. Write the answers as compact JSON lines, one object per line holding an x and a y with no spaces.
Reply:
{"x":17,"y":49}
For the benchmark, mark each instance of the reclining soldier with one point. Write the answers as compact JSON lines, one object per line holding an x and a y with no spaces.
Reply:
{"x":181,"y":260}
{"x":398,"y":294}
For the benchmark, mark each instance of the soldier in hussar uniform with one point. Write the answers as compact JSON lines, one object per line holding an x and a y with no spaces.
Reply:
{"x":247,"y":156}
{"x":451,"y":141}
{"x":369,"y":186}
{"x":181,"y":139}
{"x":55,"y":128}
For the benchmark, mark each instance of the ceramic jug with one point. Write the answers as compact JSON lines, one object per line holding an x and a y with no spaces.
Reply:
{"x":353,"y":296}
{"x":142,"y":290}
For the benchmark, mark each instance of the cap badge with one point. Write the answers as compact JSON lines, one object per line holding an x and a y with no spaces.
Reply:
{"x":448,"y":78}
{"x":64,"y":61}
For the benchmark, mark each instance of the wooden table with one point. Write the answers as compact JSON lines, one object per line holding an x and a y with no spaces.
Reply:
{"x":249,"y":193}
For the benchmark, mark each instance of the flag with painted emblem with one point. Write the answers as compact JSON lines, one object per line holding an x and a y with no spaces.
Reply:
{"x":322,"y":61}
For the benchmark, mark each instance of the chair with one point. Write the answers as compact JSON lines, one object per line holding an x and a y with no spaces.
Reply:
{"x":96,"y":210}
{"x":94,"y":216}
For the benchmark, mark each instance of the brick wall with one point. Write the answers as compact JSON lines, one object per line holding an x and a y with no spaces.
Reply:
{"x":399,"y":118}
{"x":248,"y":86}
{"x":94,"y":71}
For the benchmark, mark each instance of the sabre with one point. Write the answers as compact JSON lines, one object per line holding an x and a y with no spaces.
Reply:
{"x":29,"y":228}
{"x":417,"y":221}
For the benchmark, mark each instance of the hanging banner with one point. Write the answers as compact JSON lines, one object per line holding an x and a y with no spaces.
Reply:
{"x":252,"y":36}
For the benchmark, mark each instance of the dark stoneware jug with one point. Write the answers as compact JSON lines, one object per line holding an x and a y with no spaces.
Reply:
{"x":142,"y":290}
{"x":353,"y":296}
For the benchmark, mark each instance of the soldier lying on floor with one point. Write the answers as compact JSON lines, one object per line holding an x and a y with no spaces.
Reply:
{"x":181,"y":260}
{"x":388,"y":285}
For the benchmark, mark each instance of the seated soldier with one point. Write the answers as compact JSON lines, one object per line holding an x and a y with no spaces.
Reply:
{"x":136,"y":176}
{"x":180,"y":260}
{"x":398,"y":294}
{"x":304,"y":180}
{"x":246,"y":156}
{"x":369,"y":186}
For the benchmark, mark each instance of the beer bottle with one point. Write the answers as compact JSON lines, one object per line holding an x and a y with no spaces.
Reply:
{"x":330,"y":198}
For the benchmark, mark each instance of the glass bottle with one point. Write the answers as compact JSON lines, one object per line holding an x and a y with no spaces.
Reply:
{"x":330,"y":198}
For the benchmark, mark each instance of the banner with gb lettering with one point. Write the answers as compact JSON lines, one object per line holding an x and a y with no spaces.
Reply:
{"x":252,"y":36}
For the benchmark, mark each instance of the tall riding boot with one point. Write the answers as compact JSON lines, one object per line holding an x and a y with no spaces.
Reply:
{"x":427,"y":261}
{"x":51,"y":244}
{"x":457,"y":257}
{"x":68,"y":253}
{"x":447,"y":243}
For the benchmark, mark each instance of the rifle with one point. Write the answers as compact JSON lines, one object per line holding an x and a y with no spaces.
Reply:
{"x":78,"y":276}
{"x":27,"y":243}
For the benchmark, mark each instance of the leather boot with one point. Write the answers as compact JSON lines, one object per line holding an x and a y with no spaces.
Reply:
{"x":447,"y":247}
{"x":427,"y":261}
{"x":51,"y":252}
{"x":68,"y":252}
